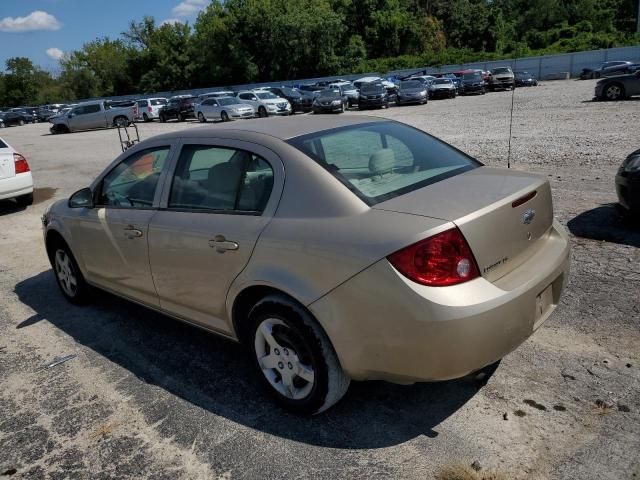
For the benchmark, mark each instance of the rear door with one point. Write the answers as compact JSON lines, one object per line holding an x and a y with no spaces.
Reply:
{"x":221,"y":196}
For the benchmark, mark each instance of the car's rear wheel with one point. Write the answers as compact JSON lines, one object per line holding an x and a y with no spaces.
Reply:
{"x":121,"y":121}
{"x":21,"y":122}
{"x":201,"y":118}
{"x":262,"y":112}
{"x":25,"y":200}
{"x":224,"y":116}
{"x":180,"y":117}
{"x":613,"y":91}
{"x":145,"y":118}
{"x":68,"y":275}
{"x":294,"y":356}
{"x":162,"y":118}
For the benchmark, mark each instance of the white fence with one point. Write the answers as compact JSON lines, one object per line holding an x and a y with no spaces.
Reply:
{"x":547,"y":65}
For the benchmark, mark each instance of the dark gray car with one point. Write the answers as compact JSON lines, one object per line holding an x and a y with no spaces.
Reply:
{"x":412,"y":91}
{"x":618,"y":88}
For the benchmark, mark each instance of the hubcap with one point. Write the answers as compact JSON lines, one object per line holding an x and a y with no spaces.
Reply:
{"x":66,"y":274}
{"x":613,"y":92}
{"x":277,"y":352}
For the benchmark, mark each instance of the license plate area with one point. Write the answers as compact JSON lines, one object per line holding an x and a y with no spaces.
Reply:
{"x":544,"y":303}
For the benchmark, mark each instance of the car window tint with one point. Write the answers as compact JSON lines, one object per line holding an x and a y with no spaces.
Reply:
{"x":132,"y":183}
{"x":142,"y":103}
{"x":220,"y":179}
{"x":92,"y":109}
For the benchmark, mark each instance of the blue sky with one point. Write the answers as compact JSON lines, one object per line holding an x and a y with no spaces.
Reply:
{"x":42,"y":29}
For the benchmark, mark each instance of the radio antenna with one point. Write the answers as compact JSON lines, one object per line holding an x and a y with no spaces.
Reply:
{"x":513,"y":94}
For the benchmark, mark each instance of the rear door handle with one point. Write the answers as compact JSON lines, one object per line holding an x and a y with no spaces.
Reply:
{"x":132,"y":232}
{"x":221,"y":244}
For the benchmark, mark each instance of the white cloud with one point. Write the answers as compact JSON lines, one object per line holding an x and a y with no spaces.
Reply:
{"x":36,"y":20}
{"x":171,"y":21}
{"x":186,"y":8}
{"x":55,"y":53}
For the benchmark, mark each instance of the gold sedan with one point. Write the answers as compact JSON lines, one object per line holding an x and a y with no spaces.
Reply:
{"x":337,"y":249}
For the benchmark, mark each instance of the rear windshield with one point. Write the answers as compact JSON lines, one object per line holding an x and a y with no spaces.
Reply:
{"x":501,"y":70}
{"x":2,"y":144}
{"x":158,"y":101}
{"x":382,"y":160}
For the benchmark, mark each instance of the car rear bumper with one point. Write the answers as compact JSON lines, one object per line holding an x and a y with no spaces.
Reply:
{"x":386,"y":327}
{"x":21,"y":184}
{"x":628,"y":190}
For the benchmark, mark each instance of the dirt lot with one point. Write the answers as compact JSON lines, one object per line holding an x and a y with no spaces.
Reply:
{"x":147,"y":397}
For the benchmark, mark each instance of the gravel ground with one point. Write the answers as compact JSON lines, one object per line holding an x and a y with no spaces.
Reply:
{"x":147,"y":397}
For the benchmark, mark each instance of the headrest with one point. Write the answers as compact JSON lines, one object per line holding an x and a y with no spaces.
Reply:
{"x":224,"y":178}
{"x":382,"y":161}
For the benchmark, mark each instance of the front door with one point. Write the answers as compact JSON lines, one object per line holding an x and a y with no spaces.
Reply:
{"x":113,"y":235}
{"x":220,"y":199}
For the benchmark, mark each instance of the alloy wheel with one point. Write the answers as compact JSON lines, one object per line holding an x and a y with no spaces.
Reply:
{"x":66,"y":273}
{"x":283,"y":359}
{"x":614,"y":92}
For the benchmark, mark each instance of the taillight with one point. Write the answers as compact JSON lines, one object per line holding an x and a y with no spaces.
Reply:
{"x":439,"y":261}
{"x":21,"y":163}
{"x":149,"y":109}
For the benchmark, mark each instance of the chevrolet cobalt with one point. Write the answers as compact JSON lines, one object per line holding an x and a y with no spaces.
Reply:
{"x":335,"y":248}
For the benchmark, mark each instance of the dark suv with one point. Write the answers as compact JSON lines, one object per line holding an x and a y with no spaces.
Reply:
{"x":373,"y":94}
{"x":178,"y":108}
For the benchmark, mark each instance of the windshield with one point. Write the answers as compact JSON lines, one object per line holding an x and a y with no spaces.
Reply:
{"x":229,"y":101}
{"x":442,"y":81}
{"x":290,"y":92}
{"x":501,"y":70}
{"x":371,"y":87}
{"x":158,"y":101}
{"x":329,"y":94}
{"x":472,"y":76}
{"x":382,"y":160}
{"x":265,"y":95}
{"x":411,"y":84}
{"x":347,"y":86}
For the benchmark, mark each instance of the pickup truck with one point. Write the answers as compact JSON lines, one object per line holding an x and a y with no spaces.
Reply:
{"x":88,"y":115}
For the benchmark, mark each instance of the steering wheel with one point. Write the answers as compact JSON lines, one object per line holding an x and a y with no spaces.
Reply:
{"x":119,"y":199}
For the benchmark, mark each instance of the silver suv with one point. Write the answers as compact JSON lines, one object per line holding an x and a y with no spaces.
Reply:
{"x":148,"y":109}
{"x":265,"y":103}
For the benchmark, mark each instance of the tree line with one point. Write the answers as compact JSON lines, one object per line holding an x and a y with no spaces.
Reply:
{"x":244,"y":41}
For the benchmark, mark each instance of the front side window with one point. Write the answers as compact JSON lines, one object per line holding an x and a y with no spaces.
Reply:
{"x":132,"y":183}
{"x":92,"y":109}
{"x":382,"y":160}
{"x":220,"y":179}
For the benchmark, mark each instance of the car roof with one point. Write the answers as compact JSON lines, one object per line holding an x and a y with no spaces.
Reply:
{"x":283,"y":128}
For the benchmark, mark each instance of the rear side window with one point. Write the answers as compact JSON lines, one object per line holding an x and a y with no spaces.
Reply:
{"x":220,"y":179}
{"x":382,"y":160}
{"x":142,"y":103}
{"x":2,"y":144}
{"x":158,"y":101}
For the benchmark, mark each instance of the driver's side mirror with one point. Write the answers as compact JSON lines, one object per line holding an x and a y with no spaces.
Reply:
{"x":81,"y":199}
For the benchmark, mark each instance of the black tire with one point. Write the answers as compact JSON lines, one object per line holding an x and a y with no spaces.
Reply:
{"x":121,"y":121}
{"x":180,"y":117}
{"x":613,"y":91}
{"x":201,"y":118}
{"x":81,"y":293}
{"x":596,"y":74}
{"x":297,"y":332}
{"x":262,"y":112}
{"x":224,"y":116}
{"x":25,"y":200}
{"x":145,"y":118}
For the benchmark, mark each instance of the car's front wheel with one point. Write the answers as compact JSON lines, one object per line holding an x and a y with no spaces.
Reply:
{"x":68,"y":275}
{"x":295,"y":357}
{"x":201,"y":118}
{"x":613,"y":91}
{"x":224,"y":116}
{"x":262,"y":112}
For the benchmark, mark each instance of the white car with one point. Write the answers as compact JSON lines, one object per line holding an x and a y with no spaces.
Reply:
{"x":265,"y":103}
{"x":224,"y":109}
{"x":148,"y":109}
{"x":15,"y":176}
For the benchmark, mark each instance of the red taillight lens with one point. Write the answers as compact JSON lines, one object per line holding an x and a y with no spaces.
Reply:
{"x":21,"y":163}
{"x":439,"y":261}
{"x":149,"y":109}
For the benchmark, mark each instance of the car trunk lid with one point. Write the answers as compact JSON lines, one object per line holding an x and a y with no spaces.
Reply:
{"x":503,"y":214}
{"x":7,"y":165}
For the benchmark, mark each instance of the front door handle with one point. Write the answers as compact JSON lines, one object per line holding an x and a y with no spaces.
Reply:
{"x":132,"y":232}
{"x":221,"y":244}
